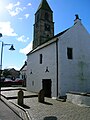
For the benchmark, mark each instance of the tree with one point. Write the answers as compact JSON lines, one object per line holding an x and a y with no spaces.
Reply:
{"x":6,"y":73}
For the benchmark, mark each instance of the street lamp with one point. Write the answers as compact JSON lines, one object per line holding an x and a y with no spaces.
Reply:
{"x":11,"y":48}
{"x":0,"y":73}
{"x":3,"y":44}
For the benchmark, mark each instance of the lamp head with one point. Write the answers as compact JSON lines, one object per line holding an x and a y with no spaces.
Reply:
{"x":12,"y":48}
{"x":0,"y":34}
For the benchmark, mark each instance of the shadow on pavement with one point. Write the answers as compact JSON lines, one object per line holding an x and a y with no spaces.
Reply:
{"x":50,"y":118}
{"x":25,"y":106}
{"x":47,"y":103}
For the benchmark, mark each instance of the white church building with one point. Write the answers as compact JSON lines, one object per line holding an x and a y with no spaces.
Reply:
{"x":61,"y":63}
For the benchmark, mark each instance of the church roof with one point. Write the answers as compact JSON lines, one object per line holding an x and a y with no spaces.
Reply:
{"x":44,"y":5}
{"x":59,"y":34}
{"x":24,"y":66}
{"x":52,"y":40}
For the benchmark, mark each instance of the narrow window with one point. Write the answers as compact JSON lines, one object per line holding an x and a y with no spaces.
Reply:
{"x":46,"y":16}
{"x":40,"y":58}
{"x":47,"y":27}
{"x":32,"y":83}
{"x":70,"y":53}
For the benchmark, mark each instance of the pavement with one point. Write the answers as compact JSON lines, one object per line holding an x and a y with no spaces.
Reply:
{"x":6,"y":113}
{"x":49,"y":110}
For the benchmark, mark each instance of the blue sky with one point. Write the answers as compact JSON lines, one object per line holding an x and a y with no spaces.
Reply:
{"x":17,"y":19}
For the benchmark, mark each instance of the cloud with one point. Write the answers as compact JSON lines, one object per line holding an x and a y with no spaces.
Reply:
{"x":14,"y":9}
{"x":10,"y":6}
{"x":29,"y":4}
{"x":27,"y":15}
{"x":27,"y":49}
{"x":20,"y":18}
{"x":17,"y":4}
{"x":23,"y":38}
{"x":6,"y":29}
{"x":15,"y":12}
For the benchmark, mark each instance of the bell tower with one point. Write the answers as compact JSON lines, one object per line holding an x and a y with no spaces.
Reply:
{"x":44,"y":25}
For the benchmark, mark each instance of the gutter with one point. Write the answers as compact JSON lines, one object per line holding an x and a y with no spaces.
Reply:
{"x":57,"y":66}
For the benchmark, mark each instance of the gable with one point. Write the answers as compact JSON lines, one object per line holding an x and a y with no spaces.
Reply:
{"x":77,"y":33}
{"x":52,"y":40}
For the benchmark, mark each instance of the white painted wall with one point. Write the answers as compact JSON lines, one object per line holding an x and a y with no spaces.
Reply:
{"x":79,"y":99}
{"x":38,"y":70}
{"x":74,"y":75}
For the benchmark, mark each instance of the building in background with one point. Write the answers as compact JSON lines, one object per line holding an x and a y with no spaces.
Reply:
{"x":11,"y":73}
{"x":23,"y":71}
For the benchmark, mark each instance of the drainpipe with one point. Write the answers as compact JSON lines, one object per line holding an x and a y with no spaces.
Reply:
{"x":57,"y":65}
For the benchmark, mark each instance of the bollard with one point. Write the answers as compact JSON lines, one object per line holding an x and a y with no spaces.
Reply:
{"x":20,"y":97}
{"x":41,"y":96}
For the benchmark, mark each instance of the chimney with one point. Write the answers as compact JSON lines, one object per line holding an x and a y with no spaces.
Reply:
{"x":76,"y":19}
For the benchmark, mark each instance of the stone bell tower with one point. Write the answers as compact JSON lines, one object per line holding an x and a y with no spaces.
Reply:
{"x":44,"y":25}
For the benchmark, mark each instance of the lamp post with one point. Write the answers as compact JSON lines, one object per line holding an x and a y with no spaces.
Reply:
{"x":11,"y":48}
{"x":3,"y":44}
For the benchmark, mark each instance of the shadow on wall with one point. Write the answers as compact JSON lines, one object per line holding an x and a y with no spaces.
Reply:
{"x":50,"y":118}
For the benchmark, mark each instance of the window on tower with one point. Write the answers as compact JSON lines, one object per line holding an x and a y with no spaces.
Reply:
{"x":47,"y":27}
{"x":46,"y":16}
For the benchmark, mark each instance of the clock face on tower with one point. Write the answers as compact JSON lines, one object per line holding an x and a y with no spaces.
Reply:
{"x":47,"y":27}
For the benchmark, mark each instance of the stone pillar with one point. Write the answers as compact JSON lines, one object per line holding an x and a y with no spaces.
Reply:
{"x":20,"y":97}
{"x":41,"y":96}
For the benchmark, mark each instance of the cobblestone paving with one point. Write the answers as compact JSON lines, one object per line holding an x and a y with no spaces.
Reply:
{"x":55,"y":110}
{"x":60,"y":110}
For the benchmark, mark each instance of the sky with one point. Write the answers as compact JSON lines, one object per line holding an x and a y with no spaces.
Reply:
{"x":17,"y":19}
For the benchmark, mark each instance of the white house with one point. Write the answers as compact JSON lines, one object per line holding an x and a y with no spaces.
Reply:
{"x":61,"y":63}
{"x":23,"y":71}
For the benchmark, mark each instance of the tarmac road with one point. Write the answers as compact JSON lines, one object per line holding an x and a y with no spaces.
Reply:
{"x":6,"y":113}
